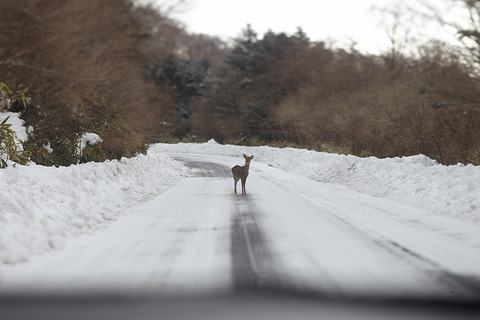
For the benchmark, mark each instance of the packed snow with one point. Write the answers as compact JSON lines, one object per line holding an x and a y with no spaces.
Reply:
{"x":289,"y":233}
{"x":415,"y":180}
{"x":41,"y":207}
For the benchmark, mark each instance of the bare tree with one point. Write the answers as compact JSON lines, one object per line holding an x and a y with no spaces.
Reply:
{"x":397,"y":20}
{"x":460,"y":18}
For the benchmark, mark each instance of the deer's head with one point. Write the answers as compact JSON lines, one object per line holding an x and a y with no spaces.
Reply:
{"x":247,"y":158}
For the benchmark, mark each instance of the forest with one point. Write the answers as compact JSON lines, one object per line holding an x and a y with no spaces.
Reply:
{"x":134,"y":76}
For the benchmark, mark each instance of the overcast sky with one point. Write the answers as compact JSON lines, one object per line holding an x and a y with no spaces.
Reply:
{"x":323,"y":20}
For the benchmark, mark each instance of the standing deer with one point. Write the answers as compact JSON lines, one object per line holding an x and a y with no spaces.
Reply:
{"x":241,"y":173}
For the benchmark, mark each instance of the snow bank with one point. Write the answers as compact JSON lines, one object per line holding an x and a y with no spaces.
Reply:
{"x":416,"y":180}
{"x":40,"y":207}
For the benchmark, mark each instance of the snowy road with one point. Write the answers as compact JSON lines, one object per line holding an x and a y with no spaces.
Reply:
{"x":289,"y":234}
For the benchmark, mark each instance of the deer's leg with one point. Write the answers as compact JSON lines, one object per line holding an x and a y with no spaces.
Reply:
{"x":244,"y":191}
{"x":235,"y":185}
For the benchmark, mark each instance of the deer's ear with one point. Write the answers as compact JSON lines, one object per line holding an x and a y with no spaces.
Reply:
{"x":251,"y":157}
{"x":245,"y":156}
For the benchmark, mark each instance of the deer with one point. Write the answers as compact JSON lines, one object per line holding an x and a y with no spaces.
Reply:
{"x":241,"y":173}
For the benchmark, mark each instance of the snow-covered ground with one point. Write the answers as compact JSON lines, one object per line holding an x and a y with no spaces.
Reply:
{"x":289,"y":234}
{"x":41,"y":207}
{"x":416,"y":180}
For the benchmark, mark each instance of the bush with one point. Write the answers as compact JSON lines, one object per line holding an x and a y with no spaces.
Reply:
{"x":10,"y":147}
{"x":61,"y":128}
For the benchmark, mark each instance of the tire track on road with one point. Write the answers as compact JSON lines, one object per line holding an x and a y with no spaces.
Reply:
{"x":252,"y":267}
{"x":252,"y":263}
{"x":245,"y":238}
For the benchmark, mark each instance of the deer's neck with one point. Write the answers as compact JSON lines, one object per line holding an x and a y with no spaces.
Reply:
{"x":246,"y":167}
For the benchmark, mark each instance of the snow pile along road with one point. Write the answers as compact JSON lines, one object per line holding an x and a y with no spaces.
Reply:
{"x":416,"y":180}
{"x":40,"y":207}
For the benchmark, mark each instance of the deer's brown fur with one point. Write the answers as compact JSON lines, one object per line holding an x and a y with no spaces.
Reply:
{"x":241,"y":173}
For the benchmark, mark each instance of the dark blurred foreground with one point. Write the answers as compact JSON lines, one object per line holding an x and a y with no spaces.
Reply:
{"x":228,"y":306}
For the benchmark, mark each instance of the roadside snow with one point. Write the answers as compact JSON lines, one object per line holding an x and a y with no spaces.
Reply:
{"x":41,"y":207}
{"x":416,"y":180}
